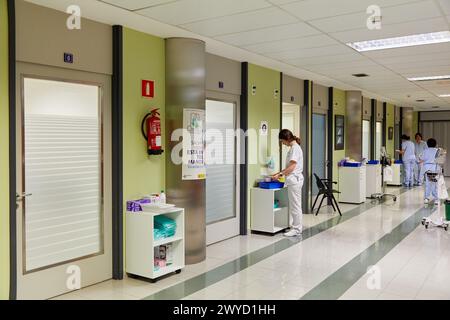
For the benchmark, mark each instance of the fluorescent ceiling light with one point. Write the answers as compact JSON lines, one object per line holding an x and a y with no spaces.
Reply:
{"x":430,"y":78}
{"x":401,"y":42}
{"x":444,"y":96}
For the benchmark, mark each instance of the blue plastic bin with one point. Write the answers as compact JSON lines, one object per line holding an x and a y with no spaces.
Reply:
{"x":373,"y":162}
{"x":271,"y":185}
{"x":353,"y":165}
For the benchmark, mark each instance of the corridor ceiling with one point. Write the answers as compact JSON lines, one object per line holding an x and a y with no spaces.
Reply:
{"x":306,"y":38}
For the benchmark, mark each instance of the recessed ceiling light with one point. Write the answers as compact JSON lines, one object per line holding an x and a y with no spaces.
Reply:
{"x":444,"y":96}
{"x":429,"y":78}
{"x":401,"y":42}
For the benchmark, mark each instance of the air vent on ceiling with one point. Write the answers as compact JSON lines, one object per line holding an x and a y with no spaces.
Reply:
{"x":435,"y":107}
{"x":420,"y":100}
{"x":360,"y":75}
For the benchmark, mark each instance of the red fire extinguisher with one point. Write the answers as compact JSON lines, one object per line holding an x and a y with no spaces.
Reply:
{"x":151,"y":130}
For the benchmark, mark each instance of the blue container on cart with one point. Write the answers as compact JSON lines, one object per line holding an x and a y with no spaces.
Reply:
{"x":373,"y":162}
{"x":271,"y":185}
{"x":353,"y":164}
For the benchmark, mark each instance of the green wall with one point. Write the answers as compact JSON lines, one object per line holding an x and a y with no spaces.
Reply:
{"x":4,"y":155}
{"x":143,"y":58}
{"x":390,"y":123}
{"x":339,"y":105}
{"x":263,"y":106}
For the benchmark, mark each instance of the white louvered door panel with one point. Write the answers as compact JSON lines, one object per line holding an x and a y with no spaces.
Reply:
{"x":62,"y":171}
{"x":221,"y":190}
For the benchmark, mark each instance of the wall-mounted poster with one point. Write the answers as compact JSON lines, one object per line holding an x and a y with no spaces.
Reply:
{"x":391,"y":133}
{"x":340,"y":132}
{"x":264,"y":129}
{"x":194,"y":141}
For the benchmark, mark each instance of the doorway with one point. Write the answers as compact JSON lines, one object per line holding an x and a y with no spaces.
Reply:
{"x":64,"y":219}
{"x":290,"y":121}
{"x":379,"y":140}
{"x":366,"y":138}
{"x":319,"y":147}
{"x":439,"y":130}
{"x":222,"y":182}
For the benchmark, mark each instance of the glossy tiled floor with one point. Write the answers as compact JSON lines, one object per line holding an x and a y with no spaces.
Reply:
{"x":331,"y":262}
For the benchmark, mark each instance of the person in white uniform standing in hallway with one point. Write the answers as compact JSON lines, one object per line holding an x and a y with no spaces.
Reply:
{"x":409,"y":160}
{"x":294,"y":180}
{"x":420,"y":147}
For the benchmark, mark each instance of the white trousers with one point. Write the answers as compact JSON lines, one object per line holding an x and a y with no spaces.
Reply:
{"x":295,"y":206}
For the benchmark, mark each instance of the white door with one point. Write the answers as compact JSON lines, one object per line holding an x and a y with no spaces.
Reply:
{"x":379,"y":138}
{"x":63,"y":181}
{"x":222,"y":188}
{"x":290,"y":121}
{"x":366,"y":140}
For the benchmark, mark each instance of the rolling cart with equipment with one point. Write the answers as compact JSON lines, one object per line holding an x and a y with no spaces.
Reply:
{"x":385,"y":161}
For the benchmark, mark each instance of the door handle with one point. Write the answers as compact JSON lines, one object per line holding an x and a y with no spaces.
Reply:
{"x":22,"y":197}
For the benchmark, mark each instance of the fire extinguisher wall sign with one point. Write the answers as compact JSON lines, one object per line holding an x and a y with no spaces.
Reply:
{"x":151,"y":130}
{"x":148,"y":89}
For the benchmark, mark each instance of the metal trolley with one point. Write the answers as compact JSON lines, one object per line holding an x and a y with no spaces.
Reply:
{"x":434,"y":177}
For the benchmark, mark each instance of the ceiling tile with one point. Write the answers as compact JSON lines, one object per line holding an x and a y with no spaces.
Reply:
{"x":292,"y":44}
{"x":315,"y":9}
{"x":391,"y":15}
{"x":318,"y":60}
{"x":311,"y":52}
{"x":288,"y":31}
{"x":241,"y":22}
{"x":417,"y":59}
{"x":136,"y":4}
{"x":445,"y":5}
{"x":182,"y":12}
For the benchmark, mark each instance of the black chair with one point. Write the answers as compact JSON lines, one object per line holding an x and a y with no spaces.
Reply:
{"x":326,"y":190}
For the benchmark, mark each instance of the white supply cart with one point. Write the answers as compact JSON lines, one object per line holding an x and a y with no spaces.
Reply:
{"x":397,"y":175}
{"x":265,"y":217}
{"x":140,"y":244}
{"x":374,"y":181}
{"x":352,"y":184}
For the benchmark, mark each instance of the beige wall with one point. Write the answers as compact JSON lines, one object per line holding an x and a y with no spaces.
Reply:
{"x":379,"y":111}
{"x":293,"y":90}
{"x":46,"y":42}
{"x":320,"y":99}
{"x":367,"y":108}
{"x":224,"y":70}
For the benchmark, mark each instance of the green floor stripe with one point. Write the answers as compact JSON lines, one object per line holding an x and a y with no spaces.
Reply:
{"x":343,"y":279}
{"x":200,"y":282}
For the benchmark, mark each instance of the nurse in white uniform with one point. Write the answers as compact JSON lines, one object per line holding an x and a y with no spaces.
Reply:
{"x":294,"y":180}
{"x":409,"y":160}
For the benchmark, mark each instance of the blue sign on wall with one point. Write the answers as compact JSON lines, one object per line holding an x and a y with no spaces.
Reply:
{"x":68,"y":57}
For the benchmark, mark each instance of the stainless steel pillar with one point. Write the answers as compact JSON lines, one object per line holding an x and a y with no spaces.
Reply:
{"x":185,"y":88}
{"x":408,"y":115}
{"x":354,"y":124}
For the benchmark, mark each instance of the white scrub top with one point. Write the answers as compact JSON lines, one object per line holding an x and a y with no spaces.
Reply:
{"x":429,"y":159}
{"x":409,"y":149}
{"x":295,"y":154}
{"x":420,"y":148}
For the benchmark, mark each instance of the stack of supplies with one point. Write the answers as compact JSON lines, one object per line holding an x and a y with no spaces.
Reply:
{"x":137,"y":205}
{"x":166,"y":225}
{"x":158,"y":234}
